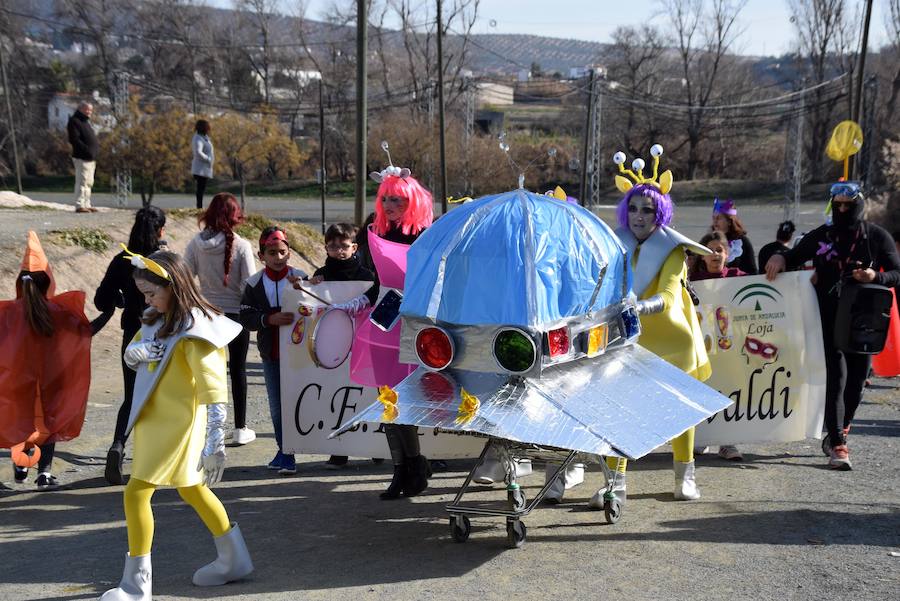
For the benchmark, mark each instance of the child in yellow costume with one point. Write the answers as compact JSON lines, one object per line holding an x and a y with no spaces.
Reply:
{"x":178,"y":417}
{"x":660,"y":276}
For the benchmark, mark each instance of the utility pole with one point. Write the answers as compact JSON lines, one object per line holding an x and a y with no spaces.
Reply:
{"x":120,"y":107}
{"x":362,"y":25}
{"x":12,"y":123}
{"x":469,"y":130}
{"x":322,"y":174}
{"x":861,"y":75}
{"x":443,"y":150}
{"x":589,"y":112}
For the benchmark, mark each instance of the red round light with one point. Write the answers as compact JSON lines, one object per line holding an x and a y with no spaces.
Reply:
{"x":434,"y":348}
{"x":558,"y":341}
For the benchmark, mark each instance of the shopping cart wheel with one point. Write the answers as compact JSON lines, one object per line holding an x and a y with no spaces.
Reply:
{"x":515,"y":534}
{"x":460,"y":528}
{"x":826,"y":445}
{"x":516,"y":499}
{"x":613,"y":510}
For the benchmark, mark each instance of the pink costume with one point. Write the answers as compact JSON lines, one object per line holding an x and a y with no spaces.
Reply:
{"x":375,"y":357}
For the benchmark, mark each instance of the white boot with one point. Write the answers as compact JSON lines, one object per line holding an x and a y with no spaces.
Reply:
{"x":618,"y":489}
{"x":137,"y":581}
{"x":492,"y":470}
{"x":685,"y":484}
{"x":233,"y":561}
{"x":570,"y":478}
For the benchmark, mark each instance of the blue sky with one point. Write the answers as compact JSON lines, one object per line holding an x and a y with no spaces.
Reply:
{"x":766,"y":23}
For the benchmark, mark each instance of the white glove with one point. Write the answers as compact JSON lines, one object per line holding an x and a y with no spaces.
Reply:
{"x":143,"y":352}
{"x":212,"y":460}
{"x":354,"y":305}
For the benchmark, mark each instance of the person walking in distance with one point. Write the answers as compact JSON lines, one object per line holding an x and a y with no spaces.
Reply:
{"x":203,"y":158}
{"x":84,"y":155}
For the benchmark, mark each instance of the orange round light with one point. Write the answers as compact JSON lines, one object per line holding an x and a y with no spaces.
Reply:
{"x":434,"y":347}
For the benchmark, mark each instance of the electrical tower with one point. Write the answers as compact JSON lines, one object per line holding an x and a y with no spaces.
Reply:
{"x":793,"y":162}
{"x":120,"y":107}
{"x":866,"y":158}
{"x":594,"y":164}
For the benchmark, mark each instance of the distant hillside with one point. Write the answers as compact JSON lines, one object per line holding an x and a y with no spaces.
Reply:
{"x":508,"y":53}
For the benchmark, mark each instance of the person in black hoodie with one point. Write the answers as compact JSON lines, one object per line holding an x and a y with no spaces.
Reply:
{"x":781,"y":244}
{"x":847,"y":251}
{"x":344,"y":265}
{"x":118,"y":290}
{"x":85,"y":149}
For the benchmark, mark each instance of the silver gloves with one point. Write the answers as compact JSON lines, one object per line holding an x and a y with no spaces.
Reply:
{"x":143,"y":352}
{"x":354,"y":305}
{"x":212,"y":460}
{"x":654,"y":304}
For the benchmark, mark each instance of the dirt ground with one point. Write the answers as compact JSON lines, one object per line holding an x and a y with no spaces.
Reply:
{"x":777,"y":526}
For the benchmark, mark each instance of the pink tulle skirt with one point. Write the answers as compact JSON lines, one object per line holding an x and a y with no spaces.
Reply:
{"x":375,"y":357}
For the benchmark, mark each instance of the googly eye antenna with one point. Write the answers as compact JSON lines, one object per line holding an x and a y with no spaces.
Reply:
{"x":631,"y":177}
{"x":520,"y":173}
{"x":387,"y":149}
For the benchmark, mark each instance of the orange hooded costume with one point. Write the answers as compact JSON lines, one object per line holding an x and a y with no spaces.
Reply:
{"x":44,"y":380}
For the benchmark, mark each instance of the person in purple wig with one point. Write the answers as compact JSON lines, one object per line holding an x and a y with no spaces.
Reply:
{"x":670,"y":330}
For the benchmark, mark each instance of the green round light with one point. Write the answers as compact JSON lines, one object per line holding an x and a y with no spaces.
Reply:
{"x":514,"y":351}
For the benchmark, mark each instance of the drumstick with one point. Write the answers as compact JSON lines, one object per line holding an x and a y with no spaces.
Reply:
{"x":318,"y":298}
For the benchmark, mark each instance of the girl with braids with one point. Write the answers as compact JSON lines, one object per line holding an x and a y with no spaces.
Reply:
{"x":45,"y":366}
{"x":178,"y":417}
{"x":222,"y":261}
{"x":117,"y":290}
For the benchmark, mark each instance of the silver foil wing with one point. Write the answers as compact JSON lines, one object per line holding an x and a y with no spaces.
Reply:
{"x":627,"y":403}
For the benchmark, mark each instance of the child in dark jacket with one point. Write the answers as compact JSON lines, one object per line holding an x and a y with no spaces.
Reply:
{"x":261,"y":312}
{"x":343,"y":265}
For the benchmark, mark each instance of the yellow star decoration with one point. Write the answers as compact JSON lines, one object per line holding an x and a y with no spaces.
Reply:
{"x":388,"y":398}
{"x":468,"y":407}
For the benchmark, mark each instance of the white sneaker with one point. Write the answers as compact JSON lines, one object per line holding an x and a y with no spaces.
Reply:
{"x":570,"y":478}
{"x":242,"y":436}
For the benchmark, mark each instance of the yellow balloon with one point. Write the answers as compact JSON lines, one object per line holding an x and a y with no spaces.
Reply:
{"x":846,"y":140}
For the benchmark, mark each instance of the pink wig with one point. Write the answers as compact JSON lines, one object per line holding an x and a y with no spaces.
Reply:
{"x":419,"y":214}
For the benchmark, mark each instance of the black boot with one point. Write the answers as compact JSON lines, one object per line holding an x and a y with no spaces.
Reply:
{"x":419,"y":471}
{"x":114,"y":459}
{"x":397,"y":483}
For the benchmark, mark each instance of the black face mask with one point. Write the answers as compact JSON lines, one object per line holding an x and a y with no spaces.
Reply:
{"x":848,"y":219}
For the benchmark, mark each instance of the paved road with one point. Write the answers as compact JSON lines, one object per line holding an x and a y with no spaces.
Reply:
{"x":776,"y":527}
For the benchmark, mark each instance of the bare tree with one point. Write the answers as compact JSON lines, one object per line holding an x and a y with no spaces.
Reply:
{"x":178,"y":36}
{"x":703,"y":40}
{"x":96,"y":23}
{"x":826,"y":30}
{"x":635,"y":67}
{"x":891,"y":59}
{"x":258,"y":19}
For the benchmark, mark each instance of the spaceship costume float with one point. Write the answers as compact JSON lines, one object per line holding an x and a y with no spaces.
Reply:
{"x":519,"y":312}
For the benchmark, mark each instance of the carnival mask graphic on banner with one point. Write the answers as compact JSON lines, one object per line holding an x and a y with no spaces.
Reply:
{"x":764,"y":342}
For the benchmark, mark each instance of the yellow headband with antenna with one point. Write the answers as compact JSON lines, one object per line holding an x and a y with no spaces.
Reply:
{"x":663,"y":183}
{"x":142,"y":262}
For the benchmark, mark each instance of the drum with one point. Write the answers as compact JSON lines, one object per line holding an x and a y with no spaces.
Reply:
{"x":330,"y":338}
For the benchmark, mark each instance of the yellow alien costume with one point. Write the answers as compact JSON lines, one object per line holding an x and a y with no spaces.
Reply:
{"x":177,"y":415}
{"x":673,"y":332}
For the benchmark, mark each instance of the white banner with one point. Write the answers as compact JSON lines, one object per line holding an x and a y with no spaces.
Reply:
{"x":765,"y":344}
{"x":317,"y":395}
